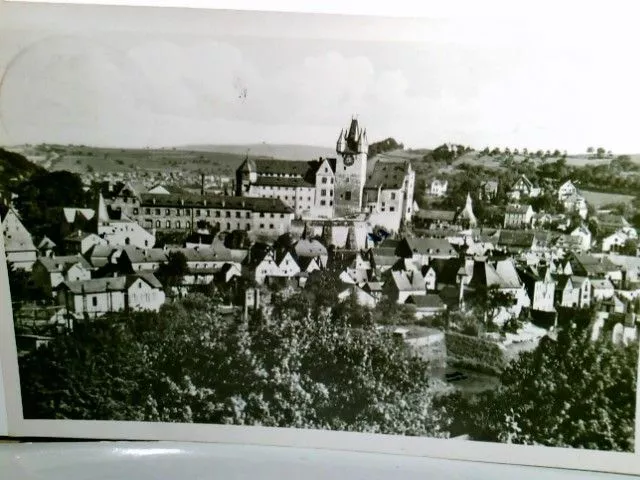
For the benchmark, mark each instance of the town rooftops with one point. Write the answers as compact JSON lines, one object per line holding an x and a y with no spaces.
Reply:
{"x":309,"y":248}
{"x":291,"y":182}
{"x":62,"y":263}
{"x":427,"y":246}
{"x":430,"y":300}
{"x":109,"y":284}
{"x":408,"y":281}
{"x":436,"y":215}
{"x":516,"y":238}
{"x":222,"y":202}
{"x":151,"y":255}
{"x":518,"y":209}
{"x":387,"y":174}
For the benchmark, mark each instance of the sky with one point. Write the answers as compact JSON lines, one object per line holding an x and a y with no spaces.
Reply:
{"x":518,"y":83}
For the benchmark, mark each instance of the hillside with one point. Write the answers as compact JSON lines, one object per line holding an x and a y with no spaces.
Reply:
{"x":281,"y":152}
{"x":14,"y":168}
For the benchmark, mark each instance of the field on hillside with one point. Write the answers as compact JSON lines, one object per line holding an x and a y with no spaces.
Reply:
{"x":281,"y":152}
{"x":474,"y":158}
{"x":104,"y":160}
{"x":598,"y":199}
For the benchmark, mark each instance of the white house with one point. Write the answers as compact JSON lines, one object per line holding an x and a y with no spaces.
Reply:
{"x":576,"y":203}
{"x":566,"y":190}
{"x":49,"y":272}
{"x":404,"y":284}
{"x":523,"y":187}
{"x":602,"y":289}
{"x":583,"y":233}
{"x":614,"y":241}
{"x":438,"y":188}
{"x":98,"y":296}
{"x":81,"y":242}
{"x":518,"y":216}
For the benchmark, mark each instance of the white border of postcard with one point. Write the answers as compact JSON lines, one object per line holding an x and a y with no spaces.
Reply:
{"x":43,"y":16}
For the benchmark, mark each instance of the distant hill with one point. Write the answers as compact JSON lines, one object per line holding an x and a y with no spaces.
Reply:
{"x":281,"y":152}
{"x":15,"y":168}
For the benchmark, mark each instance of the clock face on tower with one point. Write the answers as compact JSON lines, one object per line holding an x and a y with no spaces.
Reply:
{"x":348,"y":160}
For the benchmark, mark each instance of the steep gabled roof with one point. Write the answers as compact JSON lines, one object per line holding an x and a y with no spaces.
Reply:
{"x":387,"y":174}
{"x":62,"y":263}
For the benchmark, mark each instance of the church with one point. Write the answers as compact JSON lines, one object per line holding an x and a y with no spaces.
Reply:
{"x":336,"y":190}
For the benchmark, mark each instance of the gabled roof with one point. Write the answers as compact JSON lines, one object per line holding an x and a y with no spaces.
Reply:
{"x":516,"y":238}
{"x":46,"y":242}
{"x":484,"y":275}
{"x":309,"y":248}
{"x":518,"y":209}
{"x":442,"y":215}
{"x":63,"y":263}
{"x":426,"y":246}
{"x":430,"y":300}
{"x":387,"y":174}
{"x":408,"y":281}
{"x":255,"y":204}
{"x":151,"y":255}
{"x":109,"y":284}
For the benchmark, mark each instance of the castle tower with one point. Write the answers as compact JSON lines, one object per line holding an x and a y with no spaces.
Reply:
{"x":352,"y":148}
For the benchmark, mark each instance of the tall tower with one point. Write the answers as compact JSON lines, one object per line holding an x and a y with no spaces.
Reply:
{"x":351,"y":169}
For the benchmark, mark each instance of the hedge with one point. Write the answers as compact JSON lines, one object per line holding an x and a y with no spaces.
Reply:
{"x":478,"y":354}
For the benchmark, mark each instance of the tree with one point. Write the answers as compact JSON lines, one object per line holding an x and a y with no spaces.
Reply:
{"x":600,"y":152}
{"x":488,"y":301}
{"x":630,"y":247}
{"x":590,"y":150}
{"x":190,"y":364}
{"x":569,"y":392}
{"x":172,"y":272}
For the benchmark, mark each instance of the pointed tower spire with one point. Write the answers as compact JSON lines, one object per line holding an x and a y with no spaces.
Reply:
{"x":101,"y":211}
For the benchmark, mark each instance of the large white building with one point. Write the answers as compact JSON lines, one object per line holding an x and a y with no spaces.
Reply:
{"x":345,"y":187}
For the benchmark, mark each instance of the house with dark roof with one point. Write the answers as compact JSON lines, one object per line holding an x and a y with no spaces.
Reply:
{"x":49,"y":272}
{"x":540,"y":287}
{"x":304,"y":186}
{"x":422,"y":250}
{"x":489,"y":190}
{"x":518,"y":216}
{"x":80,"y":242}
{"x":524,"y":188}
{"x":95,"y":297}
{"x":517,"y":240}
{"x":426,"y":305}
{"x":388,"y":194}
{"x":434,"y":219}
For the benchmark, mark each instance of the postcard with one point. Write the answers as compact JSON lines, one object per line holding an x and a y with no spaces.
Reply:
{"x":379,"y":234}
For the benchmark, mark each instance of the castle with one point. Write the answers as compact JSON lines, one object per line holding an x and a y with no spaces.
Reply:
{"x":345,"y":188}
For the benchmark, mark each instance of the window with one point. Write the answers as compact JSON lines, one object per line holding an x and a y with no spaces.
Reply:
{"x":188,"y":225}
{"x":228,"y":226}
{"x":323,"y":193}
{"x":157,"y":211}
{"x":392,"y":209}
{"x":208,"y":212}
{"x":197,"y":212}
{"x":217,"y":213}
{"x":248,"y":227}
{"x":178,"y":212}
{"x":227,"y":214}
{"x":168,"y":224}
{"x":282,"y":215}
{"x":261,"y":214}
{"x":272,"y":215}
{"x":177,"y":223}
{"x":147,"y":211}
{"x":324,"y":179}
{"x":331,"y":193}
{"x":238,"y":214}
{"x":347,"y":195}
{"x":331,"y":181}
{"x":308,"y":199}
{"x":262,"y":225}
{"x":393,"y":195}
{"x":323,"y":203}
{"x":187,"y":211}
{"x":167,"y":211}
{"x":94,"y":301}
{"x":331,"y":203}
{"x":158,"y":223}
{"x":135,"y":211}
{"x":271,"y":226}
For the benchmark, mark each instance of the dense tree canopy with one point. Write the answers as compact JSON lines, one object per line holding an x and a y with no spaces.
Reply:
{"x":569,"y":392}
{"x":190,"y":364}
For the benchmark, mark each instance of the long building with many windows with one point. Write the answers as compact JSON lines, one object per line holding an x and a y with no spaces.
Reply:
{"x":188,"y":212}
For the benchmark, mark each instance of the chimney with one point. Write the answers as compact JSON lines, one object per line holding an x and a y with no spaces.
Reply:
{"x":202,"y":184}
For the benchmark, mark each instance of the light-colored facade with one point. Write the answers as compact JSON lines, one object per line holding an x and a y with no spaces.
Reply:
{"x":98,"y":296}
{"x":567,"y":189}
{"x":49,"y":272}
{"x":438,"y":188}
{"x":388,"y":194}
{"x":19,"y":248}
{"x":352,"y":148}
{"x":518,"y":216}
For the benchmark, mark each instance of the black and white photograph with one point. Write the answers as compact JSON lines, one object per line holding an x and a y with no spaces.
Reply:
{"x":426,"y":237}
